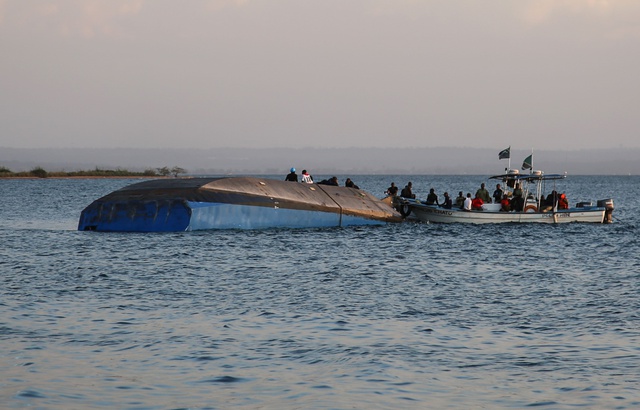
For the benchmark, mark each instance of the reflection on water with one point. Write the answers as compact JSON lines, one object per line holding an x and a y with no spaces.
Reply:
{"x":400,"y":316}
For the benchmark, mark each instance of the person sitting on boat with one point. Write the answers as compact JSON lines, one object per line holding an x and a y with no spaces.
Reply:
{"x":550,"y":202}
{"x":505,"y":204}
{"x":448,"y":203}
{"x":467,"y":202}
{"x":460,"y":200}
{"x":483,"y":194}
{"x":407,"y":192}
{"x":497,"y":194}
{"x":306,"y":178}
{"x":432,"y":198}
{"x":517,"y":202}
{"x":392,"y":190}
{"x":477,"y":203}
{"x":331,"y":181}
{"x":563,"y":202}
{"x":349,"y":184}
{"x":292,"y":176}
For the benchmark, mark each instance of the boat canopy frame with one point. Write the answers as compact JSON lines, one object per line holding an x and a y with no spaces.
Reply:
{"x":529,"y":177}
{"x":537,"y":178}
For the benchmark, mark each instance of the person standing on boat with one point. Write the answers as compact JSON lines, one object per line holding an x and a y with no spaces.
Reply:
{"x":432,"y":198}
{"x":292,"y":176}
{"x":483,"y":194}
{"x":467,"y":202}
{"x":306,"y":178}
{"x":448,"y":203}
{"x":517,"y":202}
{"x":497,"y":194}
{"x":407,"y":192}
{"x":460,"y":200}
{"x":392,"y":190}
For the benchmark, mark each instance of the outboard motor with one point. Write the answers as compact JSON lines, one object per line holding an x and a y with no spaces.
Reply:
{"x":607,"y":204}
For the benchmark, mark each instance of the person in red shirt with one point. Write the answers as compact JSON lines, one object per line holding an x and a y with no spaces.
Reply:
{"x":505,"y":204}
{"x":563,"y":203}
{"x":476,"y":203}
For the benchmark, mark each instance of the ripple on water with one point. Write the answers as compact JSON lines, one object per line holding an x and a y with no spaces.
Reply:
{"x":400,"y":316}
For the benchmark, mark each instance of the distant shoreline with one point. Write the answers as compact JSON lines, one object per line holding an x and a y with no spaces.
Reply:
{"x":326,"y":161}
{"x":41,"y":173}
{"x":86,"y":177}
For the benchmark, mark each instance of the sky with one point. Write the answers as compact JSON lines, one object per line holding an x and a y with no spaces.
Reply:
{"x":531,"y":74}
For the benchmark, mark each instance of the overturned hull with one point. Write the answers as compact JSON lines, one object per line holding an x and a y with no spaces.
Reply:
{"x":173,"y":205}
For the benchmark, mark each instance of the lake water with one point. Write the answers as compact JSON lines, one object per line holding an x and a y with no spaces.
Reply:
{"x":406,"y":315}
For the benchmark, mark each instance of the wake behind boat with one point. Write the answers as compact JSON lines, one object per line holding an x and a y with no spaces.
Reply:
{"x":524,"y":202}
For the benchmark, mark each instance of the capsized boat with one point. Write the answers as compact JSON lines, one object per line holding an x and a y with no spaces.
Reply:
{"x":189,"y":204}
{"x":533,"y":210}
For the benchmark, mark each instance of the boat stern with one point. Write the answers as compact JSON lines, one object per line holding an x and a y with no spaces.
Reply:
{"x":607,"y":204}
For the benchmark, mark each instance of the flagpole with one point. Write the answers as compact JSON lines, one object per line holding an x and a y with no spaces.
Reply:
{"x":528,"y":163}
{"x":506,"y":153}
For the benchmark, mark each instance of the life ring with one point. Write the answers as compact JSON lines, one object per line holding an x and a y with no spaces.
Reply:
{"x":531,"y":208}
{"x":401,"y":205}
{"x":405,"y":210}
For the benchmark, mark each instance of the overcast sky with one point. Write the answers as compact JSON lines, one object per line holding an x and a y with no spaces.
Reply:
{"x":532,"y":74}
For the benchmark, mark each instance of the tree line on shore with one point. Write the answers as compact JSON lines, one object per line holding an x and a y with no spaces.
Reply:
{"x":39,"y":172}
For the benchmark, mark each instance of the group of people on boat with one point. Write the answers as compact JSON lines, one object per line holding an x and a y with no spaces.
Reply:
{"x":407,"y":191}
{"x":308,"y":179}
{"x":293,"y":177}
{"x":554,"y":200}
{"x":509,"y":201}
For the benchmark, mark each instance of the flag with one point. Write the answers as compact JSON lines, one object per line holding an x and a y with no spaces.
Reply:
{"x":526,"y":164}
{"x":505,"y":153}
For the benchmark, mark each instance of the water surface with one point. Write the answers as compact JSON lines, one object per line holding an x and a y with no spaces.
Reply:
{"x":400,"y":316}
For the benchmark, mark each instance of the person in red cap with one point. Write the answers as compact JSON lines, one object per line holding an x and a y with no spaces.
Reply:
{"x":563,"y":202}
